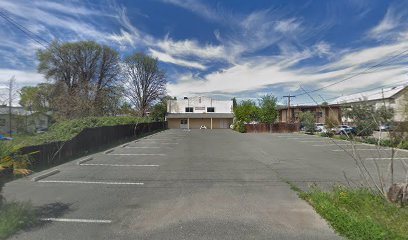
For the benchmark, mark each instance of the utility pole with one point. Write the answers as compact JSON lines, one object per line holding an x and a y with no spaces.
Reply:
{"x":11,"y":82}
{"x":288,"y":117}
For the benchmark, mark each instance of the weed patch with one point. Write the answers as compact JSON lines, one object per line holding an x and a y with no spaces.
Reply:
{"x":359,"y":213}
{"x":15,"y":216}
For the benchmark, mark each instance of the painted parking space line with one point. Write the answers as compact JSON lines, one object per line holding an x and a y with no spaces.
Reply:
{"x":74,"y":220}
{"x":119,"y":165}
{"x":388,"y":158}
{"x":140,"y":147}
{"x":334,"y":144}
{"x":317,"y":141}
{"x":137,"y":154}
{"x":359,"y":149}
{"x":155,"y":143}
{"x":91,"y":182}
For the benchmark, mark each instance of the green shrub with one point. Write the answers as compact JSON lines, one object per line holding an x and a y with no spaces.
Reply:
{"x":66,"y":130}
{"x":239,"y":126}
{"x":15,"y":216}
{"x":327,"y":134}
{"x":403,"y":145}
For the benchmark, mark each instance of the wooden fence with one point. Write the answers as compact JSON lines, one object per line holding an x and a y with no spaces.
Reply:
{"x":87,"y":141}
{"x":274,"y":128}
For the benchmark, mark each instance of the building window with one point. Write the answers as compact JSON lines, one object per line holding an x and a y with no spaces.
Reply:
{"x":319,"y":114}
{"x":210,"y":109}
{"x":189,"y":109}
{"x":2,"y":122}
{"x":183,"y":121}
{"x":199,"y":100}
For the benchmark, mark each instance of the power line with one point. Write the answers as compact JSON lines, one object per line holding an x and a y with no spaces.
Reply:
{"x":23,"y":29}
{"x":387,"y":85}
{"x":355,"y":75}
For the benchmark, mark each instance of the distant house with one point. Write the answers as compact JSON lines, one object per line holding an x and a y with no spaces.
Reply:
{"x":394,"y":97}
{"x":321,"y":113}
{"x":199,"y":111}
{"x":21,"y":120}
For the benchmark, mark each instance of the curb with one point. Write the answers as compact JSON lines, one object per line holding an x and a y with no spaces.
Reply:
{"x":109,"y":151}
{"x":362,"y":143}
{"x":42,"y":176}
{"x":84,"y":160}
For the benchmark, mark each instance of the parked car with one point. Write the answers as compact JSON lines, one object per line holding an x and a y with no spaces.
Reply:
{"x":345,"y":130}
{"x":320,"y":127}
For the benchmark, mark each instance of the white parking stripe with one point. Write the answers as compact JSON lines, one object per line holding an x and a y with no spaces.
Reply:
{"x":317,"y":141}
{"x":297,"y":138}
{"x":140,"y":147}
{"x":154,"y":143}
{"x":90,"y":182}
{"x":340,"y":144}
{"x":357,"y":149}
{"x":137,"y":154}
{"x":76,"y":220}
{"x":158,"y":139}
{"x":119,"y":165}
{"x":397,"y":158}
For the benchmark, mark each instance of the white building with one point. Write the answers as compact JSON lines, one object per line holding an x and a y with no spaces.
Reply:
{"x":199,"y":111}
{"x":393,"y":97}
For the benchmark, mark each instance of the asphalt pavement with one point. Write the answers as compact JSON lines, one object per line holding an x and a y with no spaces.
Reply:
{"x":198,"y":184}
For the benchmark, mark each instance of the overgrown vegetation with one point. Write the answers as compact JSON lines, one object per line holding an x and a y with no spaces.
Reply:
{"x":307,"y":119}
{"x":367,"y":117}
{"x":66,"y":130}
{"x":15,"y":216}
{"x":359,"y":213}
{"x":248,"y":111}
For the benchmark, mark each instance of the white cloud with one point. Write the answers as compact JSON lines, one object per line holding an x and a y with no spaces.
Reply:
{"x":168,"y":58}
{"x":390,"y":22}
{"x":190,"y":48}
{"x":287,"y":26}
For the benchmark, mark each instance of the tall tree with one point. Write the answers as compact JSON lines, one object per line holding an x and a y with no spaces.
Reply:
{"x":144,"y":81}
{"x":247,"y":111}
{"x":268,"y":110}
{"x":159,"y":110}
{"x":84,"y":74}
{"x":37,"y":98}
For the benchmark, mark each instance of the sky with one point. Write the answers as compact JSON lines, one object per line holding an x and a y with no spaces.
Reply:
{"x":224,"y":49}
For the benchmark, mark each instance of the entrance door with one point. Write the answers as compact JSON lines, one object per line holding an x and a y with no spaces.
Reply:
{"x":224,"y":123}
{"x":183,"y":123}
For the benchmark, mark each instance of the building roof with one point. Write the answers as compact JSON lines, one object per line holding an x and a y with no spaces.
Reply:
{"x":200,"y":115}
{"x":369,"y":95}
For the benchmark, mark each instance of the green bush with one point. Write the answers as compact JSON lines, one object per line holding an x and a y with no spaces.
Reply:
{"x":15,"y":216}
{"x":327,"y":134}
{"x":239,"y":126}
{"x":66,"y":130}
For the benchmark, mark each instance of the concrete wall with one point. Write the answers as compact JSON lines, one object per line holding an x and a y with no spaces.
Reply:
{"x":199,"y":104}
{"x":196,"y":123}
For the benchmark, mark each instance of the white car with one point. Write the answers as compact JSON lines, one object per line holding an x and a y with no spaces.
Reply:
{"x":320,"y":127}
{"x":203,"y":127}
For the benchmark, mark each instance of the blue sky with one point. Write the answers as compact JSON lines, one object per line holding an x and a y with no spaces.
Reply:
{"x":226,"y":49}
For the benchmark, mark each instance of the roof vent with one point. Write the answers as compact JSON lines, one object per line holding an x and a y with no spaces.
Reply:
{"x":185,"y":97}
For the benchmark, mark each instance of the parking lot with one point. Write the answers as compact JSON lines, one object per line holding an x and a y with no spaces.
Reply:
{"x":198,"y":184}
